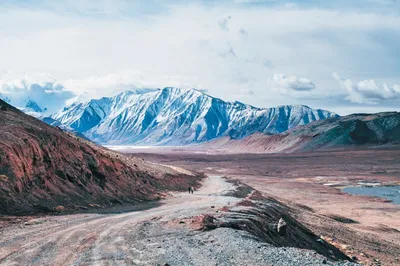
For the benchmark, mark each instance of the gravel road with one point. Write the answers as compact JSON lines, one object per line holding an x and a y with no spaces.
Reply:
{"x":154,"y":236}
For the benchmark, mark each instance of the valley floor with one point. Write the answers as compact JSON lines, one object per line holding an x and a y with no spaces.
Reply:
{"x":165,"y":235}
{"x":365,"y":227}
{"x":173,"y":231}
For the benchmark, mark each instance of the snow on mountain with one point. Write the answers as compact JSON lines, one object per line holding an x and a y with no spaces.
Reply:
{"x":32,"y":106}
{"x":173,"y":116}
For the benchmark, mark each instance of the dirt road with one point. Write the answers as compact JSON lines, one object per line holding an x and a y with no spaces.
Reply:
{"x":96,"y":238}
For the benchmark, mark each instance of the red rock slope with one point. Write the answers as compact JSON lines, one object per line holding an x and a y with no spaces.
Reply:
{"x":42,"y":167}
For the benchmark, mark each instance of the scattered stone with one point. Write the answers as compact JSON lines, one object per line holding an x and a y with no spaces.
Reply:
{"x":281,"y":227}
{"x":94,"y":205}
{"x":324,"y":262}
{"x":212,"y":207}
{"x":354,"y":258}
{"x":3,"y":178}
{"x":60,"y":208}
{"x":181,"y":222}
{"x":33,"y":222}
{"x":208,"y":222}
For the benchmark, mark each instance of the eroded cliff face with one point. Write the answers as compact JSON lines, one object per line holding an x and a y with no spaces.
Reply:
{"x":42,"y":167}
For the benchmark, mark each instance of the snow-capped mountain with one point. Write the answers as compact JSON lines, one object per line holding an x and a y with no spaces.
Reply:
{"x":173,"y":116}
{"x":28,"y":106}
{"x":32,"y":106}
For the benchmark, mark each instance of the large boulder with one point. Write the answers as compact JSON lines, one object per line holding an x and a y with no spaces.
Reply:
{"x":281,"y":227}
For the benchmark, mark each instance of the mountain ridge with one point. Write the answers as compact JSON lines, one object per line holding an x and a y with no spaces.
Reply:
{"x":173,"y":116}
{"x":337,"y":132}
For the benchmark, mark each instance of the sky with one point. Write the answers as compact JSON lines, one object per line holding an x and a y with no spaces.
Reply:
{"x":339,"y":55}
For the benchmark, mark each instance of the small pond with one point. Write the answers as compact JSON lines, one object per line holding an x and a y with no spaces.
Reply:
{"x":387,"y":192}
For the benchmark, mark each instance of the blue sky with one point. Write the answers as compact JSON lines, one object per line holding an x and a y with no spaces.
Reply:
{"x":338,"y":55}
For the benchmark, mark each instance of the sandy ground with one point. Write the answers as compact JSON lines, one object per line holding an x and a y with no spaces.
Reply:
{"x":365,"y":227}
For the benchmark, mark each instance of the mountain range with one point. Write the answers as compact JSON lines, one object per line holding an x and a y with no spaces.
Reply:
{"x":173,"y":116}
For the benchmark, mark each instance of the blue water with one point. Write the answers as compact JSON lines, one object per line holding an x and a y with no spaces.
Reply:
{"x":390,"y":193}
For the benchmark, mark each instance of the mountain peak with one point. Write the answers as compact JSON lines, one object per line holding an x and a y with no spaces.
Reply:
{"x":181,"y":90}
{"x":32,"y":106}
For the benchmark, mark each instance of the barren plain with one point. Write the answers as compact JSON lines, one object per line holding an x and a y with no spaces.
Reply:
{"x":366,"y":228}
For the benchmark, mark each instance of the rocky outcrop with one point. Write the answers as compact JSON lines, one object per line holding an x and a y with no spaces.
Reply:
{"x":281,"y":227}
{"x":260,"y":220}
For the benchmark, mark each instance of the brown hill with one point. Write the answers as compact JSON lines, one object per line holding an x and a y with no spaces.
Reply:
{"x":357,"y":130}
{"x":42,"y":167}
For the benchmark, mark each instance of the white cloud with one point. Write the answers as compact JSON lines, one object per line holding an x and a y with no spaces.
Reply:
{"x":223,"y":24}
{"x":112,"y":84}
{"x":53,"y":94}
{"x":44,"y":89}
{"x":292,"y":83}
{"x":243,"y":32}
{"x":368,"y":91}
{"x":183,"y":46}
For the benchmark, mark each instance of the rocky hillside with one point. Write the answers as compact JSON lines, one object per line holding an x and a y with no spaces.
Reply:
{"x":173,"y":116}
{"x":347,"y":131}
{"x":41,"y":167}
